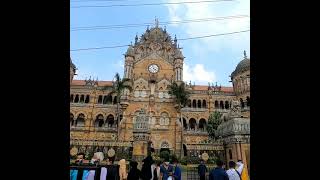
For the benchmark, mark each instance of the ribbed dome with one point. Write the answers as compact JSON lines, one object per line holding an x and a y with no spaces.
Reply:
{"x":130,"y":51}
{"x":243,"y":65}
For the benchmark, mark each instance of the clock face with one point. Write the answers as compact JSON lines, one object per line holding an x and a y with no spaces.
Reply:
{"x":153,"y":68}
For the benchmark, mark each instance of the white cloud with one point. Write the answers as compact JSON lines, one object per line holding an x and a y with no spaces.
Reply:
{"x":211,"y":10}
{"x":198,"y":74}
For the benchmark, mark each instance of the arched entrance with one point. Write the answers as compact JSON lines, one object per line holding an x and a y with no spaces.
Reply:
{"x":185,"y":151}
{"x":165,"y":148}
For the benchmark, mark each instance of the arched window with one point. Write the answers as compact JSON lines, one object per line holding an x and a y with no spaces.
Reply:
{"x":230,"y":154}
{"x":100,"y":99}
{"x":87,"y":99}
{"x":204,"y":104}
{"x":194,"y":103}
{"x":185,"y":151}
{"x":109,"y":99}
{"x":242,"y":103}
{"x":202,"y":124}
{"x":216,"y":104}
{"x":99,"y":122}
{"x":199,"y":103}
{"x":165,"y":144}
{"x":221,"y":105}
{"x":76,"y":99}
{"x":185,"y":126}
{"x":189,"y":103}
{"x":192,"y":123}
{"x":226,"y":104}
{"x":115,"y":100}
{"x":164,"y":119}
{"x":71,"y":98}
{"x":110,"y":121}
{"x":82,"y":98}
{"x":80,"y":120}
{"x":72,"y":121}
{"x":248,"y":101}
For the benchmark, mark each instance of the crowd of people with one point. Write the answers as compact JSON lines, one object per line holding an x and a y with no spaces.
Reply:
{"x":157,"y":170}
{"x":236,"y":171}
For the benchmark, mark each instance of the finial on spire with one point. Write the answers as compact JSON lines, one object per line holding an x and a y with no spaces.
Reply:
{"x":245,"y":54}
{"x":165,"y":29}
{"x":136,"y":39}
{"x":156,"y":21}
{"x":148,"y":28}
{"x":130,"y":43}
{"x":175,"y":40}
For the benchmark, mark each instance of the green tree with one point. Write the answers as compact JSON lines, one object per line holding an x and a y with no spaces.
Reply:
{"x":181,"y":96}
{"x":119,"y":85}
{"x":213,"y":122}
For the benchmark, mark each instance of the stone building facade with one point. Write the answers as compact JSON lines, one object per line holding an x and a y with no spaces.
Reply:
{"x":152,"y":64}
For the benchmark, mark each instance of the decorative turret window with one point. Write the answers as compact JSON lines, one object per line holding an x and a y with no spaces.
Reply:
{"x":164,"y":119}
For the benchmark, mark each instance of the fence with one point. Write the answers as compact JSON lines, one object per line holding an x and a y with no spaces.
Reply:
{"x":192,"y":173}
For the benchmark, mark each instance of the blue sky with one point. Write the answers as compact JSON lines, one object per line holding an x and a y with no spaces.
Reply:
{"x":207,"y":60}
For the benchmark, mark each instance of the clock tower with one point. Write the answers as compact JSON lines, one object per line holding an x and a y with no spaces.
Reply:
{"x":152,"y":64}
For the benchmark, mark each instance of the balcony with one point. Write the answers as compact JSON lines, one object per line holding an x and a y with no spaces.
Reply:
{"x":77,"y":128}
{"x":195,"y":131}
{"x":189,"y":109}
{"x":105,"y":129}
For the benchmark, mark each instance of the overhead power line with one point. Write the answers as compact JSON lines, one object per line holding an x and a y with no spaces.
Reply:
{"x":102,"y":0}
{"x":148,"y":4}
{"x":86,"y":49}
{"x":200,"y":37}
{"x":182,"y":39}
{"x":88,"y":28}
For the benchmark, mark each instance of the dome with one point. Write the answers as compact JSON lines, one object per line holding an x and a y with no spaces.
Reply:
{"x":130,"y":51}
{"x":72,"y":65}
{"x":178,"y":54}
{"x":243,"y":65}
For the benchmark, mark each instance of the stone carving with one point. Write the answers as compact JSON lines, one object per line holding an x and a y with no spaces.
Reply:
{"x":235,"y":109}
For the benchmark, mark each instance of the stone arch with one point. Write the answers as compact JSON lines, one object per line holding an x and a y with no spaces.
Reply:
{"x":72,"y":120}
{"x":81,"y":98}
{"x":165,"y":144}
{"x":204,"y":103}
{"x":192,"y":123}
{"x":199,"y":104}
{"x":202,"y":124}
{"x":81,"y":112}
{"x":226,"y":104}
{"x":100,"y":99}
{"x":216,"y":104}
{"x":80,"y":121}
{"x":99,"y":120}
{"x":221,"y":105}
{"x":163,"y":84}
{"x":110,"y":120}
{"x":71,"y":98}
{"x":87,"y":99}
{"x":76,"y":99}
{"x":194,"y":103}
{"x":100,"y":112}
{"x":184,"y":122}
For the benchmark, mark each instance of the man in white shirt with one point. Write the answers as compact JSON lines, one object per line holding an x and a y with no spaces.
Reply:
{"x":234,"y":174}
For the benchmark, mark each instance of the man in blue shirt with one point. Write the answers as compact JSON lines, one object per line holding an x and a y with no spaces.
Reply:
{"x":166,"y":170}
{"x":218,"y":173}
{"x":202,"y":169}
{"x":176,"y":169}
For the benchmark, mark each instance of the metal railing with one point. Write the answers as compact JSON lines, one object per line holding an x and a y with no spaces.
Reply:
{"x":192,"y":173}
